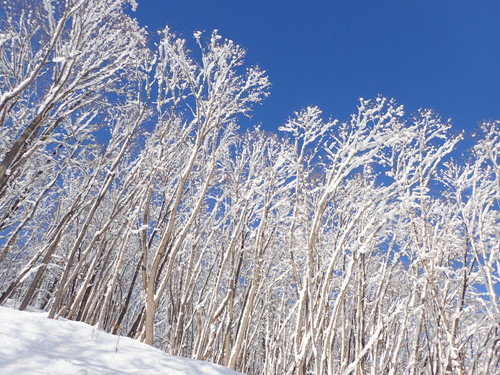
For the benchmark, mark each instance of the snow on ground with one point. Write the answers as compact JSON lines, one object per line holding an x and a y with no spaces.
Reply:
{"x":32,"y":344}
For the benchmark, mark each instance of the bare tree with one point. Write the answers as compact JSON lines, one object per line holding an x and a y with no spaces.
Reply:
{"x":131,"y":200}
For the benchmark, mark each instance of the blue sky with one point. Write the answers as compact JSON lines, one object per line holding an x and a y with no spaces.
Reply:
{"x":439,"y":54}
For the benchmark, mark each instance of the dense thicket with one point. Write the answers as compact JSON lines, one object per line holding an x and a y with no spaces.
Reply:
{"x":129,"y":199}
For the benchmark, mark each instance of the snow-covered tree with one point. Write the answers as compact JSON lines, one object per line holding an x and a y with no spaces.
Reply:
{"x":131,"y":199}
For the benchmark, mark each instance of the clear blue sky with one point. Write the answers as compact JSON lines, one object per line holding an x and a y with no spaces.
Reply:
{"x":440,"y":54}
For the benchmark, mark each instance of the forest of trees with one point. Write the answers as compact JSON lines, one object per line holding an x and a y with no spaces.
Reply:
{"x":130,"y":199}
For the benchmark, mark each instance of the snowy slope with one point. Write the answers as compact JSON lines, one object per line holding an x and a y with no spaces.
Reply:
{"x":32,"y":344}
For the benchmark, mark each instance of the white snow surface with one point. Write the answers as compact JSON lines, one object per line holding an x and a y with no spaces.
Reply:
{"x":32,"y":344}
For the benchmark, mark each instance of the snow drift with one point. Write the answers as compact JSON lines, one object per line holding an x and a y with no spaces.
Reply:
{"x":32,"y":344}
